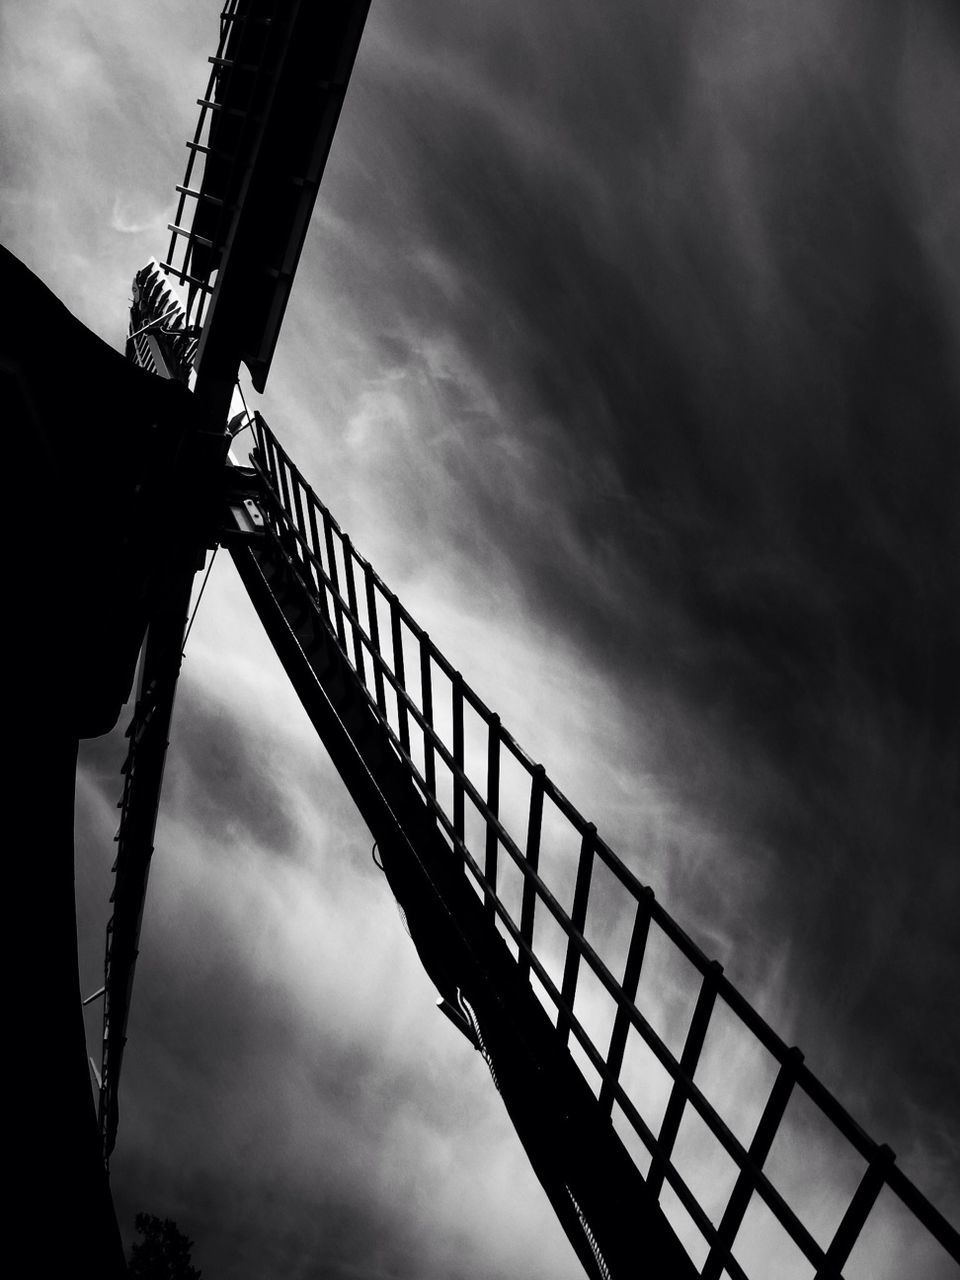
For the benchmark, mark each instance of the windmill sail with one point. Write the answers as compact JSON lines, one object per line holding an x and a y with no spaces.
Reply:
{"x":161,"y":342}
{"x":266,"y":123}
{"x":466,"y":861}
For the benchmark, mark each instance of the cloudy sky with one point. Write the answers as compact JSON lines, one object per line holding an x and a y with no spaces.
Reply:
{"x":626,"y":344}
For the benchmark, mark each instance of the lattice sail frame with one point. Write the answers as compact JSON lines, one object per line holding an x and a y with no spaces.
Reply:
{"x":197,"y":239}
{"x":653,"y":1084}
{"x":160,"y":341}
{"x":266,"y":125}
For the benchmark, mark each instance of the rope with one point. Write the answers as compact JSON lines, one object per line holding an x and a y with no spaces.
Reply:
{"x":203,"y":587}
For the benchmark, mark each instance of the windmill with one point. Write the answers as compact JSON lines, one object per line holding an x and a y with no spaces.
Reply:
{"x":372,"y":682}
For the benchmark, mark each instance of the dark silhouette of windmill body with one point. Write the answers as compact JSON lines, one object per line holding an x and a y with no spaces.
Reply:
{"x":518,"y":958}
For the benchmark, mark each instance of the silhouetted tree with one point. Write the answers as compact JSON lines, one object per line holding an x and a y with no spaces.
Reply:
{"x":163,"y":1253}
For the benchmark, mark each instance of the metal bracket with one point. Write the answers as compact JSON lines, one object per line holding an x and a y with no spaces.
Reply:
{"x":243,"y":518}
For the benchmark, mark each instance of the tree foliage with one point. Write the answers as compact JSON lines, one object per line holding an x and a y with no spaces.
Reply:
{"x":163,"y":1253}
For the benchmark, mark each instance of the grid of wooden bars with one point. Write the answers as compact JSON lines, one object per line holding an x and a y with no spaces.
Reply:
{"x":400,"y":668}
{"x":181,"y":261}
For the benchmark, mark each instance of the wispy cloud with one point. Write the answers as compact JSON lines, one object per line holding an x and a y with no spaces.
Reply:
{"x":132,"y":215}
{"x":625,"y":345}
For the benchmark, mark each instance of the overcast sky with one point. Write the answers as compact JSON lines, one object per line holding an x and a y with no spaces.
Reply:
{"x":626,"y":344}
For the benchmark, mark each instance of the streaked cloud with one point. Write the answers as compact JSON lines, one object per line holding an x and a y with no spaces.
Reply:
{"x":625,"y":345}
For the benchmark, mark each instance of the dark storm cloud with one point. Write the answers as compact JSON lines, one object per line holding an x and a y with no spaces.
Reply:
{"x":248,"y":1108}
{"x":221,"y":771}
{"x":790,"y":456}
{"x":698,"y":277}
{"x":280,"y":1095}
{"x":661,"y":304}
{"x":223,"y":774}
{"x":290,"y":1096}
{"x":96,"y":100}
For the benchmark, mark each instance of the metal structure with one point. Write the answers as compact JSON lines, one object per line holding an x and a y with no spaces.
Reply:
{"x":544,"y":947}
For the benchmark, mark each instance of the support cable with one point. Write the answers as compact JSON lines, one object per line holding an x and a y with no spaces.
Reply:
{"x":203,"y":587}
